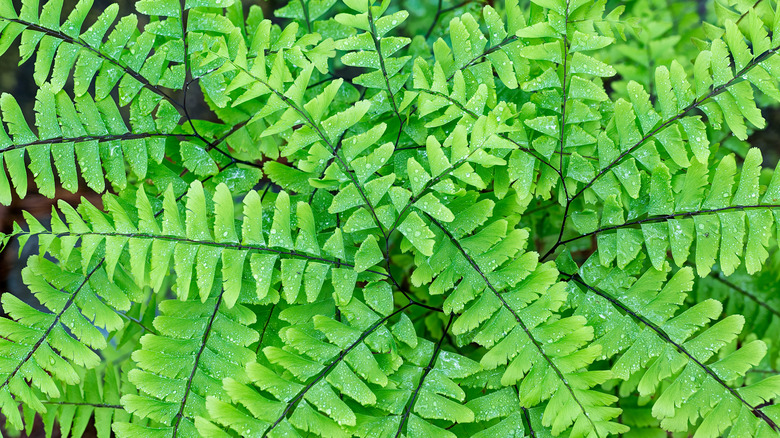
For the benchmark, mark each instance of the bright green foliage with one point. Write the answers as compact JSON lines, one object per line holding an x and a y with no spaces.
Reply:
{"x":524,"y":219}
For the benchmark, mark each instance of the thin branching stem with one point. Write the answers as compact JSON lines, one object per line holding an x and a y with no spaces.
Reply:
{"x":666,"y":217}
{"x":426,"y":370}
{"x":538,"y":346}
{"x":749,"y":295}
{"x":204,"y":339}
{"x":231,"y":245}
{"x":322,"y":374}
{"x":378,"y":45}
{"x":137,"y":322}
{"x":52,"y":325}
{"x":679,"y":347}
{"x":73,"y":403}
{"x":696,"y":104}
{"x":78,"y":42}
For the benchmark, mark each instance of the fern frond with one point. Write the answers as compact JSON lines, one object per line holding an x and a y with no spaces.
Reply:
{"x":119,"y":56}
{"x":49,"y":348}
{"x":543,"y":354}
{"x":721,"y":91}
{"x":341,"y":235}
{"x":321,"y":360}
{"x":752,"y":296}
{"x":96,"y":399}
{"x":178,"y":369}
{"x":645,"y":45}
{"x":661,"y":345}
{"x":193,"y":248}
{"x":373,"y":50}
{"x":707,"y":210}
{"x":92,"y":134}
{"x":321,"y":131}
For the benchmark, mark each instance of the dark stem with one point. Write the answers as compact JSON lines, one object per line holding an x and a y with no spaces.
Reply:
{"x":527,"y":418}
{"x":435,"y":20}
{"x":330,"y":366}
{"x":305,"y":8}
{"x":137,"y":322}
{"x":679,"y":347}
{"x":57,"y":317}
{"x":667,"y":217}
{"x":204,"y":340}
{"x":431,"y":363}
{"x":94,"y":405}
{"x":231,"y":245}
{"x":749,"y":295}
{"x":378,"y":46}
{"x":59,"y":35}
{"x":714,"y":92}
{"x":520,"y":322}
{"x":265,"y":327}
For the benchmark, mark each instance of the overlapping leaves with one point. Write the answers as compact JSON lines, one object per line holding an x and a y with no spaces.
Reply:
{"x":380,"y":281}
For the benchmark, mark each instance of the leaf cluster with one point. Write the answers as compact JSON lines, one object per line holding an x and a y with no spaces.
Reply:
{"x":521,"y":219}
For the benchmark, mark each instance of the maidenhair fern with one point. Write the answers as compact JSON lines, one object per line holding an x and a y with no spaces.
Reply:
{"x":520,"y":219}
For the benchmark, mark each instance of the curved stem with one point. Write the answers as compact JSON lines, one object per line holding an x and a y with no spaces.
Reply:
{"x":517,"y":318}
{"x":94,"y":405}
{"x":378,"y":46}
{"x":426,"y":370}
{"x":330,"y":366}
{"x":333,"y":148}
{"x":57,"y":317}
{"x":231,"y":245}
{"x":61,"y":36}
{"x":679,"y":347}
{"x":696,"y":104}
{"x":666,"y":217}
{"x":188,"y":388}
{"x":748,"y":294}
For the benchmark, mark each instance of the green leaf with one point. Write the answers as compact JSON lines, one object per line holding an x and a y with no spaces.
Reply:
{"x":418,"y":233}
{"x":197,"y":159}
{"x":368,"y":254}
{"x":280,"y":234}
